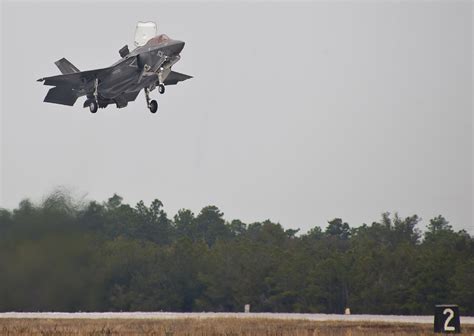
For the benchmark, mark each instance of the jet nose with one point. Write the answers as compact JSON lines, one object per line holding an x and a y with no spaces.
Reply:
{"x":178,"y":46}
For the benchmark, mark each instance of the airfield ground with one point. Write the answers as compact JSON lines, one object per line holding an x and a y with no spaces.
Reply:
{"x":214,"y":326}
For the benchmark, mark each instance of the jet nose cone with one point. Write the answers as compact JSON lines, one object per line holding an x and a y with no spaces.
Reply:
{"x":178,"y":46}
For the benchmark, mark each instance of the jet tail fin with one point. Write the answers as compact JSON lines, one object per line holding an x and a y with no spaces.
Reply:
{"x":66,"y":67}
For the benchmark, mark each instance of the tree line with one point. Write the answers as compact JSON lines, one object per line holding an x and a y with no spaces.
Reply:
{"x":64,"y":255}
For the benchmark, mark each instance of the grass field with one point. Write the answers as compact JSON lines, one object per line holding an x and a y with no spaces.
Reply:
{"x":212,"y":326}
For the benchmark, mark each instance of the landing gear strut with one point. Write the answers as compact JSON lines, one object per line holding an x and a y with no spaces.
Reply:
{"x":94,"y":105}
{"x":153,"y":104}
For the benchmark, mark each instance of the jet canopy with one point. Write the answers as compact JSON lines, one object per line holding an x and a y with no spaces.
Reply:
{"x":144,"y":32}
{"x":158,"y":40}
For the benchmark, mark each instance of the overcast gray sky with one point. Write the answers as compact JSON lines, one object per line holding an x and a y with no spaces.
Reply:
{"x":299,"y":112}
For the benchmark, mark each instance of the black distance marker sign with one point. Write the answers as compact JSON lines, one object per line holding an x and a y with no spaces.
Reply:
{"x":446,"y":319}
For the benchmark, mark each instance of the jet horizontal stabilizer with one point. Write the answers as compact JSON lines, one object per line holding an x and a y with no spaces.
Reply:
{"x":61,"y":95}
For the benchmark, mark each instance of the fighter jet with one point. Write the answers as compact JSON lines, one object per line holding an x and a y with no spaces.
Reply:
{"x":147,"y":67}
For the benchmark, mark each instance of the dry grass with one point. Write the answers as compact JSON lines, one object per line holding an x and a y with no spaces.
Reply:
{"x":211,"y":326}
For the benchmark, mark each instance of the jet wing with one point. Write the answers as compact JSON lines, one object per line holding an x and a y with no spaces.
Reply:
{"x":76,"y":80}
{"x":175,"y":77}
{"x":131,"y":96}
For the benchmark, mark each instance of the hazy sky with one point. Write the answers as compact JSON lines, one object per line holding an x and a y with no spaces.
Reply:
{"x":298,"y":112}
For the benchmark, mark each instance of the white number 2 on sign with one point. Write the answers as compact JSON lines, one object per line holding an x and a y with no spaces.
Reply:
{"x":450,"y":312}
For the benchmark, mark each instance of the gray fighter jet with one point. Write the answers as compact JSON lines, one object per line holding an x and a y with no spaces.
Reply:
{"x":145,"y":68}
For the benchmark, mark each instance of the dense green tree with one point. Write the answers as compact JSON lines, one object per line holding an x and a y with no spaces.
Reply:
{"x":185,"y":223}
{"x":210,"y":225}
{"x":338,"y":229}
{"x":62,"y":254}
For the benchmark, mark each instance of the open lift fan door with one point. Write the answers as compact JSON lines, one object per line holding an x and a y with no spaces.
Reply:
{"x":144,"y":32}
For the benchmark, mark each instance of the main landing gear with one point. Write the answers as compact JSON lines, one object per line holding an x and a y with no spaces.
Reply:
{"x":153,"y":104}
{"x":94,"y":103}
{"x":93,"y":106}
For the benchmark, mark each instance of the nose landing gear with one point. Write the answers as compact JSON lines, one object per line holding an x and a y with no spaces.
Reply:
{"x":161,"y":88}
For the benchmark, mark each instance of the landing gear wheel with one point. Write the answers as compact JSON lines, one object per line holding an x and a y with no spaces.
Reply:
{"x":93,"y":106}
{"x":153,"y":106}
{"x":161,"y":88}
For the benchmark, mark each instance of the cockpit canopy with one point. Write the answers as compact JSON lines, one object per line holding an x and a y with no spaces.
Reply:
{"x":146,"y":34}
{"x":154,"y":41}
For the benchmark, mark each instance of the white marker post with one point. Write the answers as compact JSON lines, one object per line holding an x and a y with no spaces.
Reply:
{"x":247,"y":308}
